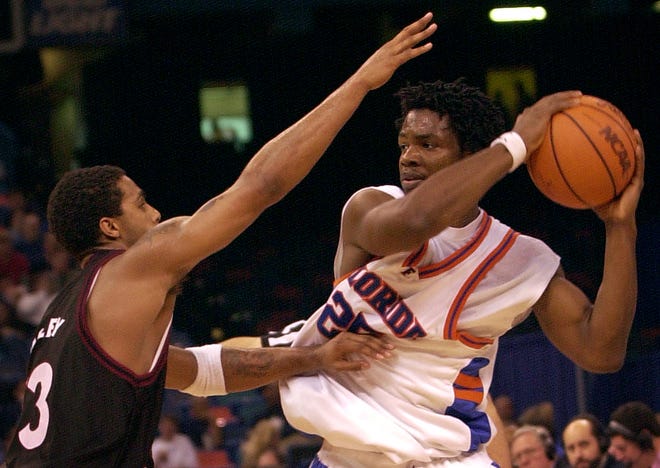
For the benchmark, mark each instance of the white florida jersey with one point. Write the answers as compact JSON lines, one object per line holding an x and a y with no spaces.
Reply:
{"x":444,"y":306}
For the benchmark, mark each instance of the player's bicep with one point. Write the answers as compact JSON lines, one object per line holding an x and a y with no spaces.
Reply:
{"x":563,"y":312}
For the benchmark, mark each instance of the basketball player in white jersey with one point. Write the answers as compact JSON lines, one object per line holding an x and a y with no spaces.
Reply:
{"x":424,"y":264}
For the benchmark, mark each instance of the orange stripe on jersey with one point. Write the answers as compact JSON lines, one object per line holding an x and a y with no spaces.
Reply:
{"x":472,"y":341}
{"x":474,"y":396}
{"x":468,"y":381}
{"x":461,"y":254}
{"x":450,"y":330}
{"x":414,"y":258}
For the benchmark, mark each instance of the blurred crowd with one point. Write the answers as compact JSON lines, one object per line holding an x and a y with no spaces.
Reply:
{"x":33,"y":266}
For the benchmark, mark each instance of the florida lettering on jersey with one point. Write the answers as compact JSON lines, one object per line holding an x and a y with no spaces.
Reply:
{"x":339,"y":315}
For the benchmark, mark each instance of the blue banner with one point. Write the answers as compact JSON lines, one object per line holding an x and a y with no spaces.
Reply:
{"x":74,"y":22}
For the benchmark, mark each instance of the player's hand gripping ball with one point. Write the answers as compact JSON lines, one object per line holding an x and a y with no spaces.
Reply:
{"x":587,"y":156}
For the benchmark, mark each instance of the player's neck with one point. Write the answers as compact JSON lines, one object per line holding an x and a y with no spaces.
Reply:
{"x":466,"y":218}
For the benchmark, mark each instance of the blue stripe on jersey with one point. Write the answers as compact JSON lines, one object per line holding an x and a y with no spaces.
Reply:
{"x":466,"y":410}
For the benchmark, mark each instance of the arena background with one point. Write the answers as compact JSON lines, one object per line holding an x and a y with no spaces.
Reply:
{"x":131,"y":97}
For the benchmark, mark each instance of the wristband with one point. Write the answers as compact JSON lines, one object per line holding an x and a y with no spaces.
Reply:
{"x":515,"y":146}
{"x":210,"y":378}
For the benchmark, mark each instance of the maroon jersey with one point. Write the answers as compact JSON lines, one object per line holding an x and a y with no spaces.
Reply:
{"x":81,"y":407}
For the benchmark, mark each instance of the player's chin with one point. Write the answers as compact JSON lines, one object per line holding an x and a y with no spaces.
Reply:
{"x":409,"y":184}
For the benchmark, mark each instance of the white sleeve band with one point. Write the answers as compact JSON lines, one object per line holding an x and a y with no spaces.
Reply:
{"x":210,"y":378}
{"x":515,"y":146}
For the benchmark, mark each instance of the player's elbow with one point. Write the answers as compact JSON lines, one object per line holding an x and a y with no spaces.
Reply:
{"x":267,"y":189}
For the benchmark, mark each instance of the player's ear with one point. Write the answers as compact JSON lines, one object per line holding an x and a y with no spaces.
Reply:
{"x":109,"y":227}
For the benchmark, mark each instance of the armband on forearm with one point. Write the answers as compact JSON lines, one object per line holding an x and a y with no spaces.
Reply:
{"x":515,"y":146}
{"x":210,"y":378}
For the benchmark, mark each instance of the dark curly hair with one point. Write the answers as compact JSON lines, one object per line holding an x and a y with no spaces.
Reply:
{"x":635,"y":421}
{"x":77,"y":203}
{"x":474,"y":117}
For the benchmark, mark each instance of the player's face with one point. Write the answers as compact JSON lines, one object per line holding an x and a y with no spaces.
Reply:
{"x":137,"y":216}
{"x":581,"y":445}
{"x":624,"y":450}
{"x":427,"y":144}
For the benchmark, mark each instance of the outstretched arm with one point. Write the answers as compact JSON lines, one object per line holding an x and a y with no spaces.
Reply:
{"x":244,"y":369}
{"x":595,"y":335}
{"x":284,"y":161}
{"x":150,"y":268}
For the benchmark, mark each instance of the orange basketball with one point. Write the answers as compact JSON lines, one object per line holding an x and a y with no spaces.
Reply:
{"x":587,"y":156}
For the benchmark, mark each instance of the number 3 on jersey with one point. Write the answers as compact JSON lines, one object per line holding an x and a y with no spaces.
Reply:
{"x":41,"y":376}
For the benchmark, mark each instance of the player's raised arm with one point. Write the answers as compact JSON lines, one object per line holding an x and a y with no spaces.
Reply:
{"x":286,"y":159}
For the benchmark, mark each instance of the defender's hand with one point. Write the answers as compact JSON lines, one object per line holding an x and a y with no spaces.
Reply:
{"x":349,"y":351}
{"x":380,"y":67}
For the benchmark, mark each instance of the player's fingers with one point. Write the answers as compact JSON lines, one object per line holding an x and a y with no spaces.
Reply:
{"x":562,"y":100}
{"x":354,"y":365}
{"x":417,"y":26}
{"x":640,"y":159}
{"x":377,"y":347}
{"x":414,"y":34}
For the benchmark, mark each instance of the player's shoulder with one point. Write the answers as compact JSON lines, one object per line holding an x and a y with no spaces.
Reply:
{"x":373,"y":195}
{"x":392,"y":190}
{"x":525,"y":243}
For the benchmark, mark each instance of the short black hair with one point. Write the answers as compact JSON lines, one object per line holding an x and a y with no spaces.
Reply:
{"x":635,"y":421}
{"x":473,"y":116}
{"x":77,"y":203}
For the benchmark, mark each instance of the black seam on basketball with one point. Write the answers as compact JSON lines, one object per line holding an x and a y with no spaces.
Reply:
{"x":600,"y":156}
{"x":624,"y":131}
{"x":561,"y":173}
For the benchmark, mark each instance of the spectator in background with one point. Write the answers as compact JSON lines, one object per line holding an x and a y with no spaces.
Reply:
{"x":172,"y":449}
{"x":14,"y":266}
{"x":635,"y":435}
{"x":586,"y":444}
{"x":29,"y":240}
{"x":200,"y":425}
{"x":542,"y":414}
{"x":32,"y":304}
{"x":533,"y":447}
{"x":506,"y":411}
{"x":263,"y":439}
{"x":45,"y":283}
{"x":14,"y":354}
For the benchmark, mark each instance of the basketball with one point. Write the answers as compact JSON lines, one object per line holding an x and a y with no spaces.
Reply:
{"x":587,"y":156}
